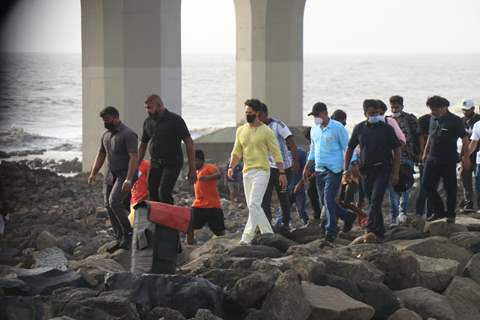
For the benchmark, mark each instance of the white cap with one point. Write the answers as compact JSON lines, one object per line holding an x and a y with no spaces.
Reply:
{"x":467,"y":104}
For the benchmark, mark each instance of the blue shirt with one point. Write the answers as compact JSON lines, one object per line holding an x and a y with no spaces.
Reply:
{"x":328,"y":146}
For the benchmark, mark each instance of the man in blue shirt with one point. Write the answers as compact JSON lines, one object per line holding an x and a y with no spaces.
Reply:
{"x":329,"y":139}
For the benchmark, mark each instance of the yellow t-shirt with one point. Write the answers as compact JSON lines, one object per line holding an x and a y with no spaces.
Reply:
{"x":254,"y":144}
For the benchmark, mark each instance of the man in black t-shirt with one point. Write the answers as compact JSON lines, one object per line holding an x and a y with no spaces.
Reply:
{"x":423,"y":131}
{"x":470,"y":117}
{"x":379,"y":163}
{"x":164,"y":131}
{"x":441,"y":157}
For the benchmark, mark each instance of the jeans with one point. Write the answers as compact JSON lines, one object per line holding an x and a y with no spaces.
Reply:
{"x":255,"y":183}
{"x":399,"y":200}
{"x":313,"y":197}
{"x":375,"y":182}
{"x":328,"y":185}
{"x":300,"y":200}
{"x":283,"y":197}
{"x":161,"y":181}
{"x":432,"y":174}
{"x":467,"y":184}
{"x":114,"y":203}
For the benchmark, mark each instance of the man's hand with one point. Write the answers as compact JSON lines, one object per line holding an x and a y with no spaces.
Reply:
{"x":424,"y":157}
{"x":126,"y":186}
{"x":192,"y":176}
{"x":92,"y":178}
{"x":296,"y":166}
{"x":297,"y":187}
{"x":230,"y":173}
{"x":282,"y":180}
{"x":395,"y":178}
{"x":306,"y":173}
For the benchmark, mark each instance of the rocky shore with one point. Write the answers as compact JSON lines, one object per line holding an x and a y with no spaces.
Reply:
{"x":58,"y":261}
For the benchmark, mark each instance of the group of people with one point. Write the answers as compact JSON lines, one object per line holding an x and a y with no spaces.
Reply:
{"x":377,"y":157}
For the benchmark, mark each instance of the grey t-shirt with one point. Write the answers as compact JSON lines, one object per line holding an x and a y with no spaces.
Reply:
{"x":117,"y":144}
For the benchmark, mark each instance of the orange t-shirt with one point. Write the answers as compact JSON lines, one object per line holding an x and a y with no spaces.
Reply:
{"x":206,"y":193}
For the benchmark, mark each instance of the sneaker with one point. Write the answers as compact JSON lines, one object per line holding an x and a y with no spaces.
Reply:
{"x":402,"y":218}
{"x":244,"y":243}
{"x":435,"y":217}
{"x":328,"y":241}
{"x":468,"y":207}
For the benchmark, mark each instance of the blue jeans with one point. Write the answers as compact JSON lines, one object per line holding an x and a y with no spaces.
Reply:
{"x":300,"y":200}
{"x":328,"y":185}
{"x":399,"y":200}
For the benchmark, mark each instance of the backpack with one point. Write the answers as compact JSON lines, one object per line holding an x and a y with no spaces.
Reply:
{"x":405,"y":178}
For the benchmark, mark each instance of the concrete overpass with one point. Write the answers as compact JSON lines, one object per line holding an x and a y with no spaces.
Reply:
{"x":131,"y":48}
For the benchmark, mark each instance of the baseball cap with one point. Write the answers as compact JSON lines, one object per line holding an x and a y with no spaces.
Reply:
{"x":317,"y":108}
{"x":467,"y":104}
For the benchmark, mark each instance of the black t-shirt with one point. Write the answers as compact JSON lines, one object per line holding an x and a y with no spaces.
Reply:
{"x":377,"y":141}
{"x":165,"y":135}
{"x":424,"y":124}
{"x":444,"y":135}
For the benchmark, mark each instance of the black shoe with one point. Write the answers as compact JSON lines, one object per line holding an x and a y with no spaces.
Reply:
{"x":348,"y":224}
{"x":125,"y":243}
{"x":468,"y":207}
{"x":435,"y":217}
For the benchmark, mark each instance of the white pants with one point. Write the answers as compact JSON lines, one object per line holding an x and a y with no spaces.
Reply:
{"x":255,"y":183}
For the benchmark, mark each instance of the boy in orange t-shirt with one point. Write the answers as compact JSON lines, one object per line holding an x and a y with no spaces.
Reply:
{"x":206,"y":208}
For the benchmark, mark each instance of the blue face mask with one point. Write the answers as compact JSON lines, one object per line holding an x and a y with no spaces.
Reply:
{"x":376,"y":119}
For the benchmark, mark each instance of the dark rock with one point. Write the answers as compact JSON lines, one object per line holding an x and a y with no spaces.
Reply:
{"x":69,"y":295}
{"x":464,"y":297}
{"x":95,"y":267}
{"x":45,"y":240}
{"x":225,"y":278}
{"x":286,"y":299}
{"x":403,"y":233}
{"x":149,"y":291}
{"x":305,"y":234}
{"x":250,"y":291}
{"x":380,"y":297}
{"x":44,"y":281}
{"x":50,"y":258}
{"x":328,"y":303}
{"x":354,"y":269}
{"x":205,"y":314}
{"x":66,"y":194}
{"x":254,"y":252}
{"x":347,"y":286}
{"x":435,"y":273}
{"x":443,"y":229}
{"x":404,"y":314}
{"x":472,"y":224}
{"x":164,"y":313}
{"x":468,"y":240}
{"x":67,"y":244}
{"x":435,"y":247}
{"x":426,"y":303}
{"x":62,"y":318}
{"x":274,"y":240}
{"x":25,"y":308}
{"x":472,"y":269}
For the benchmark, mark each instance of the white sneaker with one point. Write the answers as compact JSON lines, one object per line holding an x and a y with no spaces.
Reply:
{"x":394,"y":222}
{"x":402,"y":218}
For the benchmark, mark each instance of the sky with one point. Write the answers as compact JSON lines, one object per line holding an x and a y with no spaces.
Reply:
{"x":330,"y":26}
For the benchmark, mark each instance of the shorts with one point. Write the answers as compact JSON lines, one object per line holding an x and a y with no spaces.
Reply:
{"x":211,"y":216}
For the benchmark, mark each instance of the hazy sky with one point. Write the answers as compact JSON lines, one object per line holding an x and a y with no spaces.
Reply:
{"x":331,"y":26}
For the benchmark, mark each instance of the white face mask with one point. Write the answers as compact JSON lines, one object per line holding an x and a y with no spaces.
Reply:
{"x":318,"y":120}
{"x":396,"y":114}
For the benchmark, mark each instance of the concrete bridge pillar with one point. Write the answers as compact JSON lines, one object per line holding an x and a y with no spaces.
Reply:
{"x":130,"y":49}
{"x":270,"y":56}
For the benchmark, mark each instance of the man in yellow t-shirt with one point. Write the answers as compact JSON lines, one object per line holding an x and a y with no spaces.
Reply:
{"x":254,"y":141}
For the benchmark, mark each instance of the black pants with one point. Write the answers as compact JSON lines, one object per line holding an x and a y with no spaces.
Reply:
{"x":114,"y":203}
{"x":422,"y":199}
{"x":313,"y":197}
{"x":432,"y":174}
{"x":283,"y":197}
{"x":161,"y":181}
{"x":375,"y":182}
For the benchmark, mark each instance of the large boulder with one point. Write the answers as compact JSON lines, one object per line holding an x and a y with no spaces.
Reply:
{"x":435,"y":273}
{"x":259,"y":252}
{"x":13,"y":308}
{"x":286,"y":299}
{"x":274,"y":240}
{"x":306,"y":267}
{"x":350,"y":268}
{"x":250,"y":290}
{"x":468,"y":240}
{"x":435,"y":247}
{"x":404,"y":314}
{"x":68,"y":296}
{"x":52,"y":257}
{"x":164,"y":313}
{"x":443,"y":229}
{"x":380,"y":297}
{"x":345,"y":285}
{"x":403,"y":233}
{"x":306,"y":234}
{"x":426,"y":303}
{"x":472,"y":269}
{"x":205,"y":314}
{"x":94,"y":268}
{"x":464,"y":297}
{"x":225,"y":278}
{"x":148,"y":291}
{"x":329,"y":303}
{"x":472,"y":224}
{"x":218,"y":245}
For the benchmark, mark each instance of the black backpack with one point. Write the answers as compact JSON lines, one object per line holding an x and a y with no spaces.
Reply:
{"x":405,"y":178}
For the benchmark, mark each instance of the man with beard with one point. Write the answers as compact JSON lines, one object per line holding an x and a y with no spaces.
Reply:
{"x":164,"y":132}
{"x":119,"y":146}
